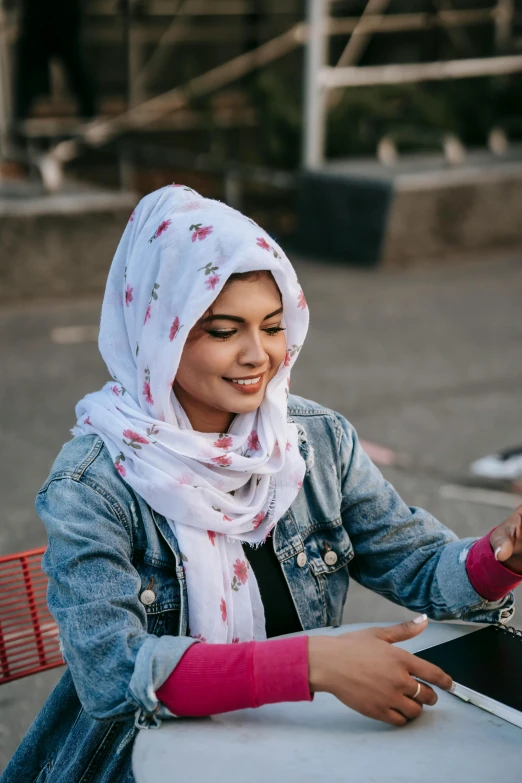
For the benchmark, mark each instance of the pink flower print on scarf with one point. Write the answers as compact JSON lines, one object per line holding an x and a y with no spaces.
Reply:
{"x":115,"y":390}
{"x":209,"y":270}
{"x":119,"y":467}
{"x":226,"y":519}
{"x":235,"y":640}
{"x":174,"y":329}
{"x":211,"y":282}
{"x":212,"y":537}
{"x":135,"y":439}
{"x":148,"y":312}
{"x":223,"y":607}
{"x":253,"y":441}
{"x":146,"y":387}
{"x":200,"y":232}
{"x":133,"y":214}
{"x":258,"y":519}
{"x":261,"y":242}
{"x":188,"y":206}
{"x":277,"y":450}
{"x":301,"y":301}
{"x":163,"y":226}
{"x":240,"y":575}
{"x":293,"y":351}
{"x":198,"y":636}
{"x":223,"y":442}
{"x":88,"y":421}
{"x":224,"y":461}
{"x":187,"y":479}
{"x":288,"y":445}
{"x":128,"y":295}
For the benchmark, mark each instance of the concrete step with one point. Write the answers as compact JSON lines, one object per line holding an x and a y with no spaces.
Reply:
{"x":61,"y":244}
{"x":420,"y":210}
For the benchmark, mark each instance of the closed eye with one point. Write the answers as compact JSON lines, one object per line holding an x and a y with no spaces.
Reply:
{"x":225,"y":334}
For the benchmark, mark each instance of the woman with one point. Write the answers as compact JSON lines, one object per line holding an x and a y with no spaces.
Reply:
{"x":200,"y":510}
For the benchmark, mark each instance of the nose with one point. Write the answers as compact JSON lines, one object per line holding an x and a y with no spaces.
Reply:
{"x":252,"y":351}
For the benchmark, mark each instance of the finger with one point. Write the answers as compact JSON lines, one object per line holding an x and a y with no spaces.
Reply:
{"x":402,"y":631}
{"x":426,"y":695}
{"x":429,"y":673}
{"x":410,"y":708}
{"x":506,"y":539}
{"x":501,"y":542}
{"x":394,"y":718}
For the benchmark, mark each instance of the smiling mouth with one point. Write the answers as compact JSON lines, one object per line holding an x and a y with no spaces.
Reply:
{"x":246,"y":381}
{"x":247,"y":385}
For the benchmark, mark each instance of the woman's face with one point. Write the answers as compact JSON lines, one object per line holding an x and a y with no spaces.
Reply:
{"x":232,"y":354}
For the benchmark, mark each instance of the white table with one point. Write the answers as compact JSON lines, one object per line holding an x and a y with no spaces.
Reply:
{"x":323,"y":740}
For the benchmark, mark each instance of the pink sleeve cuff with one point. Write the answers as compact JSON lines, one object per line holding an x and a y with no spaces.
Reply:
{"x":491,"y":579}
{"x":215,"y":678}
{"x":281,"y":670}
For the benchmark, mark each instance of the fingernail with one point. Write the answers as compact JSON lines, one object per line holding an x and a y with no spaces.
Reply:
{"x":497,"y":550}
{"x":452,"y":689}
{"x":421,"y":618}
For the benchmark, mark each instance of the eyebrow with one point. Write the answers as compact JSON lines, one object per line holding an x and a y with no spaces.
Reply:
{"x":237,"y":318}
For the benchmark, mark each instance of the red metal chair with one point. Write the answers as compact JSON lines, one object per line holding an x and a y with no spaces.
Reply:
{"x":28,"y":634}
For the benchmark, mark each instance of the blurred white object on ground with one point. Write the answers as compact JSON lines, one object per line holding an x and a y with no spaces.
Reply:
{"x":505,"y":465}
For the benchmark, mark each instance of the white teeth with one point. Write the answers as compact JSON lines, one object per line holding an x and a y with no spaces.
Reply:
{"x":248,"y":381}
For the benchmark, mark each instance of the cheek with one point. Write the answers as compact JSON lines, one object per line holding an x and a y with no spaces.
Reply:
{"x":202,"y":361}
{"x":277,"y":351}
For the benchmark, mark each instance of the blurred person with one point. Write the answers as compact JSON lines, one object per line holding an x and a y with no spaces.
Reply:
{"x":201,"y":509}
{"x":50,"y":28}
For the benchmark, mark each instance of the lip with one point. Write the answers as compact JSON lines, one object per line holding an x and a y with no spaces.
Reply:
{"x":251,"y":388}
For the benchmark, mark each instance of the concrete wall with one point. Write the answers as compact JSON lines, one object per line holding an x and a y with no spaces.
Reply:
{"x":420,"y":211}
{"x":437,"y":217}
{"x":61,"y":245}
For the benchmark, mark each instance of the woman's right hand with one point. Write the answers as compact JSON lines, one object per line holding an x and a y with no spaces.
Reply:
{"x":367,"y":673}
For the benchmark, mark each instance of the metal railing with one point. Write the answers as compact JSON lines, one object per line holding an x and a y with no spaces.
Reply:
{"x":323,"y":82}
{"x":321,"y":79}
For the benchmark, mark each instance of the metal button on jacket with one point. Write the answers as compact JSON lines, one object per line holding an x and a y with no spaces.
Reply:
{"x":301,"y":559}
{"x":148,"y":597}
{"x":330,"y":557}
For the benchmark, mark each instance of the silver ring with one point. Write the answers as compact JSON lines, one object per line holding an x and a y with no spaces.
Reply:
{"x":417,"y":691}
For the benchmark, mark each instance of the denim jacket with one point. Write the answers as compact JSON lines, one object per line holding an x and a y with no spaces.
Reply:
{"x":106,"y":546}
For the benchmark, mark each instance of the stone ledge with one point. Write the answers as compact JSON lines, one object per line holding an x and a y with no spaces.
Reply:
{"x":58,"y":245}
{"x":420,"y":211}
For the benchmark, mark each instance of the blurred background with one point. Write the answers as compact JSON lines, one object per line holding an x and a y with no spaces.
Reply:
{"x":379,"y":141}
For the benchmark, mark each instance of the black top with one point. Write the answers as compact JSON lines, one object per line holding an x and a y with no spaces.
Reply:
{"x":280,"y":612}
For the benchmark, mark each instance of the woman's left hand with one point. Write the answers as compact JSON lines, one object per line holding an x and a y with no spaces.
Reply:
{"x":506,"y":542}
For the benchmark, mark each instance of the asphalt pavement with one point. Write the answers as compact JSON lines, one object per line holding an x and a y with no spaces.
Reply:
{"x":427,"y":362}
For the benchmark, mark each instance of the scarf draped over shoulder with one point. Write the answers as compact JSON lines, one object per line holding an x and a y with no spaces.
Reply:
{"x":215,"y":489}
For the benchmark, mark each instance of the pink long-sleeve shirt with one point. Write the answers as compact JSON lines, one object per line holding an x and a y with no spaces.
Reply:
{"x":215,"y":678}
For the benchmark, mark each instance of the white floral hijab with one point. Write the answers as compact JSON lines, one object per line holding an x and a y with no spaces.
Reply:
{"x":215,"y":489}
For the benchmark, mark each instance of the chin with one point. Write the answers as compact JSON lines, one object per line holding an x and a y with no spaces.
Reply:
{"x":247,"y":405}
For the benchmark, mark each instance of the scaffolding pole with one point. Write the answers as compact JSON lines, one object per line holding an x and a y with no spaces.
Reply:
{"x":314,"y":92}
